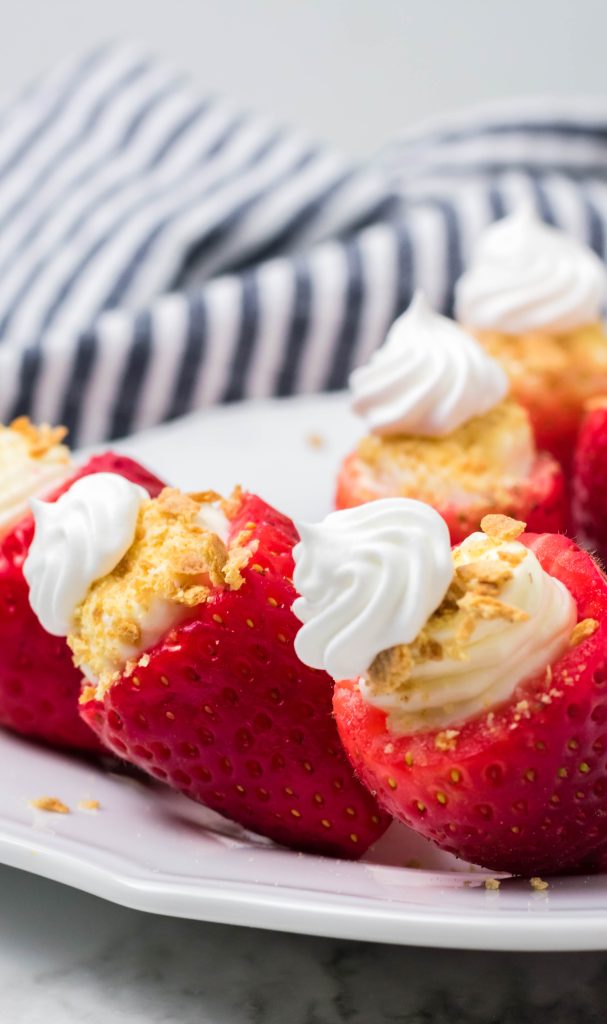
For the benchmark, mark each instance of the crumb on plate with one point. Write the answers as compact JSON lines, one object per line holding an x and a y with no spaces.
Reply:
{"x":51,"y":804}
{"x":89,"y":805}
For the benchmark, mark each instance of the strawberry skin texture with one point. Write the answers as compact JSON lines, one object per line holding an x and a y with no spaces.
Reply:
{"x":39,"y":685}
{"x":555,"y":429}
{"x":540,"y":501}
{"x":226,"y":713}
{"x":525,"y":792}
{"x":589,"y":498}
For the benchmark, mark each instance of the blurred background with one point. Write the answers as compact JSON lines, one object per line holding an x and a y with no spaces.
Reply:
{"x":350,"y":71}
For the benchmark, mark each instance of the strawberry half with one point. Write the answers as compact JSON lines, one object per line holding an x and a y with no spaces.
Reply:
{"x":524,"y":787}
{"x":589,"y":487}
{"x":540,"y":500}
{"x":39,"y":685}
{"x":223,"y":710}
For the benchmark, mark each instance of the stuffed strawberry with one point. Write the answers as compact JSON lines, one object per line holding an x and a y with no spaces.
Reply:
{"x":443,"y":431}
{"x":39,"y":685}
{"x":590,"y":479}
{"x":183,"y":627}
{"x":533,"y":296}
{"x":473,"y":685}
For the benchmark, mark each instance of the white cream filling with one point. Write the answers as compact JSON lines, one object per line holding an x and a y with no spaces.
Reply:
{"x":23,"y":477}
{"x":161,"y":615}
{"x":499,"y":655}
{"x":154,"y":622}
{"x":513,"y":458}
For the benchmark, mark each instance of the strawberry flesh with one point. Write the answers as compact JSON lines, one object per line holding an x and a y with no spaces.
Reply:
{"x":589,"y":498}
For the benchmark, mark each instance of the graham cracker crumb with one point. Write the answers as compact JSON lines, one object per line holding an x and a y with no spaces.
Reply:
{"x":522,"y":710}
{"x":176,"y":503}
{"x":473,"y":460}
{"x":583,"y":629}
{"x":315,"y":441}
{"x":40,"y":439}
{"x":240,"y":554}
{"x":231,"y":506}
{"x":205,"y":497}
{"x":488,"y":576}
{"x":391,"y":668}
{"x":538,"y":884}
{"x":192,"y":563}
{"x":174,"y":558}
{"x":489,"y":608}
{"x":492,"y":884}
{"x":51,"y":804}
{"x":89,"y":805}
{"x":446,"y":739}
{"x":513,"y":558}
{"x":128,"y":632}
{"x":502,"y":528}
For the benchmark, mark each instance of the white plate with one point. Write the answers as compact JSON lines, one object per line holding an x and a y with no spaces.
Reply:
{"x":153,"y":850}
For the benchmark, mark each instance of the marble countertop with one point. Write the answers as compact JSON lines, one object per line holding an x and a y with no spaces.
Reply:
{"x":69,"y":958}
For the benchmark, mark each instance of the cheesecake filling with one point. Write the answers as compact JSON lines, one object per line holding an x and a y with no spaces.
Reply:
{"x":33,"y":463}
{"x":479,"y":463}
{"x":115,"y":571}
{"x":502,"y":620}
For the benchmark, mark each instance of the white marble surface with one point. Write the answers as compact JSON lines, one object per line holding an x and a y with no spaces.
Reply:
{"x":68,"y":958}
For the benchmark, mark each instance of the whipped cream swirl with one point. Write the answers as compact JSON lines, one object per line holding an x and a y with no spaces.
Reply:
{"x":78,"y":539}
{"x":369,"y":578}
{"x":528,"y":276}
{"x":427,"y":379}
{"x":497,"y":656}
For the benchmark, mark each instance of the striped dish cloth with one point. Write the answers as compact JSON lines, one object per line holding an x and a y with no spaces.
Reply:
{"x":160,"y":251}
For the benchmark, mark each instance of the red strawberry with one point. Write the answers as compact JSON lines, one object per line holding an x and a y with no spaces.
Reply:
{"x":522,"y":791}
{"x":589,"y":498}
{"x":224,"y":711}
{"x":39,"y":685}
{"x":539,"y":501}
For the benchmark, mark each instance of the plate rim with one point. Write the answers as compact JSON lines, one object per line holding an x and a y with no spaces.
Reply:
{"x":324,"y":914}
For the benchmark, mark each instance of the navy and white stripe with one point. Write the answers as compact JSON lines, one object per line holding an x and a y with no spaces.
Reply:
{"x":160,"y":251}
